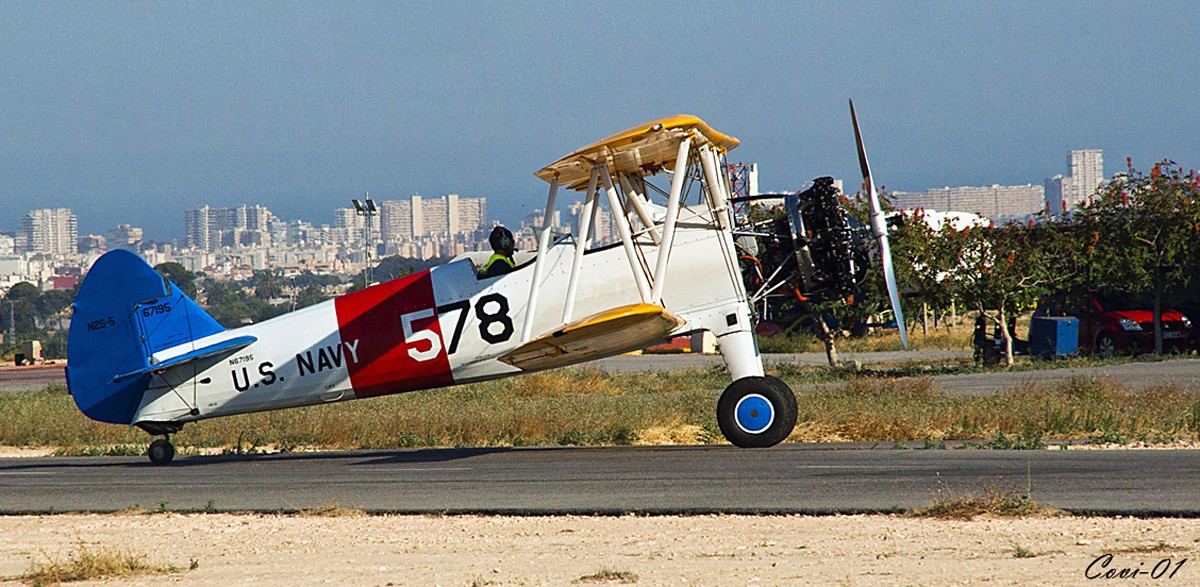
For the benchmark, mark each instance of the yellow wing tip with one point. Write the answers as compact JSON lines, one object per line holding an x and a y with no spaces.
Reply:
{"x":629,"y":311}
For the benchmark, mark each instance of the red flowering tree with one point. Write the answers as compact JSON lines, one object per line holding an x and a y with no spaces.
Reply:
{"x":1141,"y":233}
{"x":1000,"y":271}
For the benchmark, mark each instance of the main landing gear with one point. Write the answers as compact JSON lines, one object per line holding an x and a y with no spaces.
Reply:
{"x":757,"y":412}
{"x":161,"y":451}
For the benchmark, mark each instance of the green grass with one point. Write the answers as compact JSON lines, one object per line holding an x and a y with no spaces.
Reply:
{"x":588,"y":407}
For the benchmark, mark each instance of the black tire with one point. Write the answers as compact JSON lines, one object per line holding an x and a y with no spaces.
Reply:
{"x":767,"y":409}
{"x":161,"y":452}
{"x":1106,"y":346}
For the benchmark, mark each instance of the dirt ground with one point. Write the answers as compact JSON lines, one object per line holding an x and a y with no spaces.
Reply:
{"x":267,"y":550}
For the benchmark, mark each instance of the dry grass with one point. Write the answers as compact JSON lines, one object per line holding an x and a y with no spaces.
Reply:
{"x":607,"y":575}
{"x":1155,"y":547}
{"x":948,"y":504}
{"x":88,"y":565}
{"x":587,"y":407}
{"x":332,"y":510}
{"x":959,"y":336}
{"x":1084,"y":408}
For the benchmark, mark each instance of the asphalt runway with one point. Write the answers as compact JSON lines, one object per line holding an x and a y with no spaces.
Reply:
{"x":31,"y":377}
{"x":1138,"y":375}
{"x":609,"y":480}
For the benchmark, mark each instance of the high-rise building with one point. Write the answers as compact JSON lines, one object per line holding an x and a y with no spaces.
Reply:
{"x":1087,"y":175}
{"x":196,"y":228}
{"x":348,"y":226}
{"x":209,"y":229}
{"x":995,"y":201}
{"x":125,"y":236}
{"x":91,"y":242}
{"x":1058,"y":189}
{"x":418,"y":217}
{"x":603,"y":228}
{"x":53,"y":231}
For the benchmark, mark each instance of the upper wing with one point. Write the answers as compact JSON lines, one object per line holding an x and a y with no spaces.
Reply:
{"x":645,"y":147}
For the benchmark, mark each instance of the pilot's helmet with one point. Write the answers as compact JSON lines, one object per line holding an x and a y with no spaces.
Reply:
{"x":501,"y":240}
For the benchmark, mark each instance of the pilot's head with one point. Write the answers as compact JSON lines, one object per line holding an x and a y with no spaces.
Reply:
{"x":502,"y":241}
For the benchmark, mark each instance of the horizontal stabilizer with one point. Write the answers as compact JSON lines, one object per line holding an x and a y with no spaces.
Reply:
{"x":224,"y":346}
{"x":615,"y":331}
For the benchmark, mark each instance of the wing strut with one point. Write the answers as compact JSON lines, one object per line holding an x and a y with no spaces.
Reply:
{"x":624,"y":229}
{"x":581,"y":244}
{"x":539,"y":266}
{"x":664,"y":249}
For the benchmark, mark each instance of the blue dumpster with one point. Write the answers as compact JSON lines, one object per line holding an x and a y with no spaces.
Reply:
{"x":1051,"y":338}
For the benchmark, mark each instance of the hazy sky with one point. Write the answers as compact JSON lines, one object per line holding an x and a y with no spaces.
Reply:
{"x":132,"y":112}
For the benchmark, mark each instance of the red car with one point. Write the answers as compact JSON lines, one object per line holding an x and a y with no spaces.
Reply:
{"x":1113,"y":324}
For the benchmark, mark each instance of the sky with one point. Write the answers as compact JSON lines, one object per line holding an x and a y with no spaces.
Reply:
{"x":132,"y":112}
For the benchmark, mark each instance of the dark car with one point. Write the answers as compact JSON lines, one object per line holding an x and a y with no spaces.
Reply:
{"x":1113,"y":324}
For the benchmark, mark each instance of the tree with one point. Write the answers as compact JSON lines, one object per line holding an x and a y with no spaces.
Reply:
{"x":1144,"y":231}
{"x":267,"y":284}
{"x":1001,"y":271}
{"x":922,"y":260}
{"x":52,"y":303}
{"x":311,"y":295}
{"x":226,"y":303}
{"x":180,"y":276}
{"x":20,"y":308}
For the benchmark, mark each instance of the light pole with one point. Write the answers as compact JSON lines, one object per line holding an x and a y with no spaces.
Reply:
{"x":367,"y":210}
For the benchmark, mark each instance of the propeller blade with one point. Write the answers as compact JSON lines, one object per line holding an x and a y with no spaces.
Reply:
{"x":879,"y":230}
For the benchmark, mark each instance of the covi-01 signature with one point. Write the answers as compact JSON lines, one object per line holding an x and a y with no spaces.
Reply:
{"x":1105,"y":567}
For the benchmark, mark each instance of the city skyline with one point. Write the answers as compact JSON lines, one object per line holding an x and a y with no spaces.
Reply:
{"x":395,"y":221}
{"x":119,"y":112}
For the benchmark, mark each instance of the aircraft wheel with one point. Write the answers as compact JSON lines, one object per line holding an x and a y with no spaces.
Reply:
{"x":161,"y":452}
{"x":757,"y":412}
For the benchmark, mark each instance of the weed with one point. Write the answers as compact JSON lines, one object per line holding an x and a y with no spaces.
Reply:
{"x":1159,"y":546}
{"x":606,"y":575}
{"x":1020,"y":552}
{"x":1003,"y":442}
{"x":88,"y":565}
{"x":331,"y":510}
{"x":953,"y":505}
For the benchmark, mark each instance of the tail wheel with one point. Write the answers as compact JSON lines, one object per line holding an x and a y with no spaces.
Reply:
{"x":161,"y":452}
{"x":757,"y":412}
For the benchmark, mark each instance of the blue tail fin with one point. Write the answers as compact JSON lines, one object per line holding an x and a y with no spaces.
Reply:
{"x":125,"y":312}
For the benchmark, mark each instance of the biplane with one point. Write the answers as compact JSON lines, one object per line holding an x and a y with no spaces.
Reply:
{"x":142,"y":353}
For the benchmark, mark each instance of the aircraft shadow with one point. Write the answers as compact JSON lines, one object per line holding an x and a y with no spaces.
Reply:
{"x":352,"y":458}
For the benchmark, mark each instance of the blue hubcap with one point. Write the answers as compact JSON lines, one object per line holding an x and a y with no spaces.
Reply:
{"x":754,"y":414}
